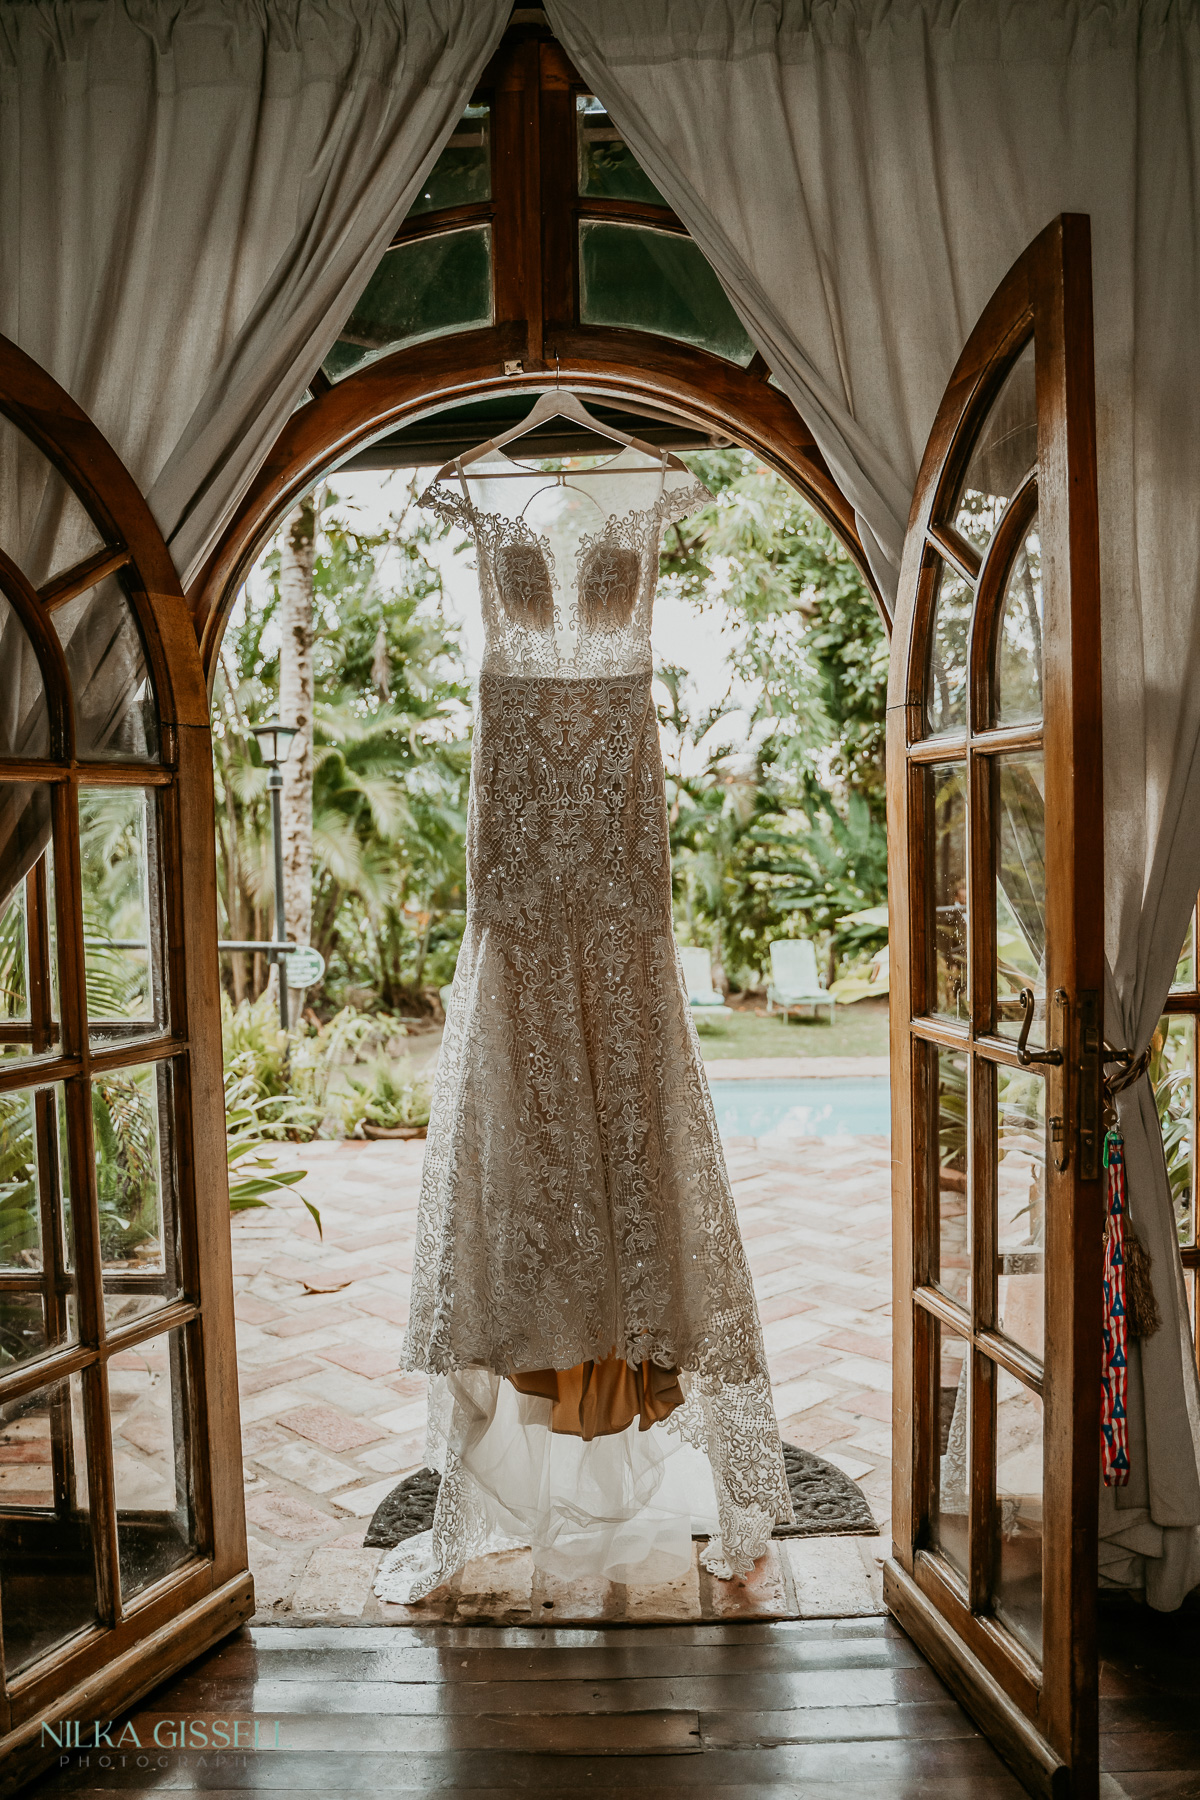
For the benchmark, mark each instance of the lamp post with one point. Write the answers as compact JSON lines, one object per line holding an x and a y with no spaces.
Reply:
{"x":275,"y":743}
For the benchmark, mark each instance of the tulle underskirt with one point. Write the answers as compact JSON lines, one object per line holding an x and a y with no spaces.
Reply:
{"x":622,"y":1507}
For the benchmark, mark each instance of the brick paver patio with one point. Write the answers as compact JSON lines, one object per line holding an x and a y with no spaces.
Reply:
{"x":330,"y":1425}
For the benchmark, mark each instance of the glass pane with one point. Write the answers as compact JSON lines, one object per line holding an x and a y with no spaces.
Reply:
{"x":47,"y":1574}
{"x":1017,"y":1596}
{"x":946,"y":706}
{"x":948,"y":807}
{"x":24,"y":715}
{"x":121,"y":912}
{"x":421,"y":290}
{"x":1185,"y":968}
{"x":1020,"y":825}
{"x":28,"y":965}
{"x":1019,"y":644}
{"x":949,"y":1509}
{"x":1020,"y":1208}
{"x":152,"y":1463}
{"x":44,"y":528}
{"x":645,"y":280}
{"x":607,"y":167}
{"x":1171,"y":1071}
{"x":462,"y":174}
{"x":133,"y":1174}
{"x":116,"y":714}
{"x":1004,"y":453}
{"x":954,"y":1257}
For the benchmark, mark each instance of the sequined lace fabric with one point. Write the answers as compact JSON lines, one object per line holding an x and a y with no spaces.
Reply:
{"x":574,"y":1195}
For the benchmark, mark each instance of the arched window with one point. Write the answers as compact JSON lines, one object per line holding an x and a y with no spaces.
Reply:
{"x":537,"y":250}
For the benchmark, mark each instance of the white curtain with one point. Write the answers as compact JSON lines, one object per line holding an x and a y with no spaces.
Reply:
{"x":193,"y":194}
{"x":861,"y":173}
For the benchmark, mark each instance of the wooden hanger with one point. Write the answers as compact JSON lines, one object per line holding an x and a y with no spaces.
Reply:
{"x":560,"y":403}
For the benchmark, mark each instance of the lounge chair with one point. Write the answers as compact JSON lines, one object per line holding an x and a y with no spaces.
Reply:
{"x":697,"y":975}
{"x":794,"y":979}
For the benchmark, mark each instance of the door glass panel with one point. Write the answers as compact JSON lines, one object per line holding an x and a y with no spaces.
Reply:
{"x":1172,"y":1074}
{"x":24,"y":714}
{"x":133,"y":1181}
{"x":634,"y":277}
{"x":122,"y":912}
{"x":421,"y":290}
{"x":116,"y":714}
{"x":28,"y":972}
{"x":953,"y":1138}
{"x":47,"y":1573}
{"x":37,"y":1309}
{"x":24,"y":835}
{"x":1185,"y":968}
{"x":44,"y":527}
{"x":462,"y":174}
{"x":1019,"y":784}
{"x":608,"y":169}
{"x":947,"y":690}
{"x":1019,"y":644}
{"x":1020,"y":1207}
{"x":948,"y":809}
{"x":1004,"y":453}
{"x":1017,"y":1593}
{"x":949,"y":1508}
{"x":151,"y":1436}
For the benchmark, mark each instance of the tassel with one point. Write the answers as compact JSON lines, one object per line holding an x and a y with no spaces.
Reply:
{"x":1141,"y":1306}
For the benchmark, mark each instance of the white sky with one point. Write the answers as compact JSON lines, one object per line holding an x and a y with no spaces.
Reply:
{"x":693,"y":638}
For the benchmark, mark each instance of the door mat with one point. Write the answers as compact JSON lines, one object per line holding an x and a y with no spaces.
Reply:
{"x":826,"y":1502}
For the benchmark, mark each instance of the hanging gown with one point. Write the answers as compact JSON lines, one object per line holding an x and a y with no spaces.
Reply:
{"x":581,"y":1301}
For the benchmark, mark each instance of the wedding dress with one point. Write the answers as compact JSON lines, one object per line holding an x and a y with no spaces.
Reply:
{"x":581,"y":1301}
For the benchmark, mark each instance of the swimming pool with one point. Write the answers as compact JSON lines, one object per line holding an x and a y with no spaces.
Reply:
{"x":815,"y":1108}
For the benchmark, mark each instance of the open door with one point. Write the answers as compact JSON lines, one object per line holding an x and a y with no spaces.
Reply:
{"x":122,"y":1534}
{"x":996,"y":878}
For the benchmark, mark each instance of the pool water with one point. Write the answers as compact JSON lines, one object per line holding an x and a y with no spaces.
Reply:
{"x":815,"y":1108}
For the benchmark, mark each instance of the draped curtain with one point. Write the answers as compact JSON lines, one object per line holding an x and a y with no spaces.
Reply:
{"x":193,"y":194}
{"x":861,"y":174}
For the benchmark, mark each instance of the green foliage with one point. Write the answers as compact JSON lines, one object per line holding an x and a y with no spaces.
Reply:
{"x":389,"y":1095}
{"x":1171,"y":1079}
{"x":391,"y":759}
{"x":784,"y":836}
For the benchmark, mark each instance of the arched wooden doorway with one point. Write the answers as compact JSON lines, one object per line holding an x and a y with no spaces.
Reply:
{"x":122,"y":1532}
{"x":538,"y":252}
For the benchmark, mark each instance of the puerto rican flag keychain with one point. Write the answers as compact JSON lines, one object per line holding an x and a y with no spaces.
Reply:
{"x":1114,"y":1427}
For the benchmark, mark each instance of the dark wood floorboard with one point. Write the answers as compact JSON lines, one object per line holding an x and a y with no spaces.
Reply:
{"x":827,"y":1710}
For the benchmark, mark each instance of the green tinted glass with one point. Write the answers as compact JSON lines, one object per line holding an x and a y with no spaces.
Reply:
{"x":607,"y":167}
{"x":647,"y":280}
{"x":424,"y":289}
{"x":462,"y":174}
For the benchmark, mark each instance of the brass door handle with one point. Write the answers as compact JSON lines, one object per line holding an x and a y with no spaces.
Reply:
{"x":1025,"y":1056}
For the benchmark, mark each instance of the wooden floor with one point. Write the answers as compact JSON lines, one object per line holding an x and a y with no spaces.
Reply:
{"x":843,"y":1709}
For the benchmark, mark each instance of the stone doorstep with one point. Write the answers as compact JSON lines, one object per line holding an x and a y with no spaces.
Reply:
{"x":828,"y":1577}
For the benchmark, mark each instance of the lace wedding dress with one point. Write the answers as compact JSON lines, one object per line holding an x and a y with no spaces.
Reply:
{"x":580,"y":1297}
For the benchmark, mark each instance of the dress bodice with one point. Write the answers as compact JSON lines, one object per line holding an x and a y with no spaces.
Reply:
{"x":567,"y":563}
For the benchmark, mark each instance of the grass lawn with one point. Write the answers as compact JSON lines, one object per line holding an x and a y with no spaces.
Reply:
{"x":858,"y":1030}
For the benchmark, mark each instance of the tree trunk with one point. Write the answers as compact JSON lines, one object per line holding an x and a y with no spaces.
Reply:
{"x":296,"y":561}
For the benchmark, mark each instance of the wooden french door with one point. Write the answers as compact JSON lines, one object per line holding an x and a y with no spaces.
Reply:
{"x":996,"y":880}
{"x":122,"y":1533}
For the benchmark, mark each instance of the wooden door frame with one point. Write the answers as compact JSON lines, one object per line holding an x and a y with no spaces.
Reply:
{"x":1048,"y":1733}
